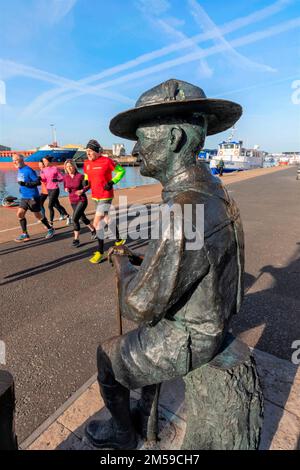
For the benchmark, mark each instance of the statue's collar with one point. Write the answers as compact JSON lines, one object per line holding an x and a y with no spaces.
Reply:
{"x":197,"y":178}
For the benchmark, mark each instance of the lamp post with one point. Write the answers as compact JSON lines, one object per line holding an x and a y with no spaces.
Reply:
{"x":54,"y":139}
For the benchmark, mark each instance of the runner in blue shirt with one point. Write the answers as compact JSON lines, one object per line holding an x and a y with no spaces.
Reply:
{"x":30,"y":198}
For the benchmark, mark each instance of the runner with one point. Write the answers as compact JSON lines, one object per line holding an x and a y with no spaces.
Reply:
{"x":98,"y":175}
{"x":30,"y":198}
{"x":44,"y":192}
{"x":73,"y":183}
{"x":52,"y":176}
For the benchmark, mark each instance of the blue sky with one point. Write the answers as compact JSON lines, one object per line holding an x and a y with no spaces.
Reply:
{"x":77,"y":63}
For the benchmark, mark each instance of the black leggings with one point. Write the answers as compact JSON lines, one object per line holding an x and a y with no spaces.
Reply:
{"x":54,"y":202}
{"x":79,"y":214}
{"x":43,"y":198}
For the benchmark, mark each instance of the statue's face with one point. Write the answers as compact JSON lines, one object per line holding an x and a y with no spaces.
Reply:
{"x":153,"y":148}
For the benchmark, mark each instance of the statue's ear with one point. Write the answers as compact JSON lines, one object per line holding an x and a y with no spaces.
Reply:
{"x":177,"y":138}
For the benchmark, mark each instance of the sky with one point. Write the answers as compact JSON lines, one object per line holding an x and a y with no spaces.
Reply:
{"x":77,"y":63}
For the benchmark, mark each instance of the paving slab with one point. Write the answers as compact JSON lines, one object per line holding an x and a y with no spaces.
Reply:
{"x":280,"y":381}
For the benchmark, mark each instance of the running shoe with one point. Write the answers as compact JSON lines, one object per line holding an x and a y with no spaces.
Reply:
{"x":75,"y":243}
{"x":69,"y":220}
{"x":24,"y":237}
{"x":50,"y":233}
{"x":120,"y":243}
{"x":93,"y":235}
{"x":97,"y":258}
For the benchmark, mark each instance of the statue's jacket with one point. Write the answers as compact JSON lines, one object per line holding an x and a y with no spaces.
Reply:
{"x":184,"y":298}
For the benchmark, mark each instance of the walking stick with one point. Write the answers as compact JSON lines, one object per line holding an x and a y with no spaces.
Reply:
{"x":152,"y":424}
{"x":118,"y":310}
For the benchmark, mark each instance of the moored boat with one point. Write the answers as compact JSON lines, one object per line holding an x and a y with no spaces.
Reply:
{"x":236,"y":157}
{"x":57,"y":154}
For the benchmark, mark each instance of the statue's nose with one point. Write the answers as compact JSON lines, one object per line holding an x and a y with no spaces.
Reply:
{"x":136,"y":150}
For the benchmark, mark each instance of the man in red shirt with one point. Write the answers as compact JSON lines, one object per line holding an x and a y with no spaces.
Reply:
{"x":98,"y":171}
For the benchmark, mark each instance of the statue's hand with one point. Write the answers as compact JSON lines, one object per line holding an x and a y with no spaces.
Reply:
{"x":118,"y":251}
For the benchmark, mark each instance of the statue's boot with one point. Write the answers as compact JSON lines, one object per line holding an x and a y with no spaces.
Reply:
{"x":145,"y":413}
{"x":117,"y":432}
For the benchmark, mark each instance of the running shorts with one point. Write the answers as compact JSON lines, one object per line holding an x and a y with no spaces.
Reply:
{"x":103,"y":207}
{"x":32,"y":205}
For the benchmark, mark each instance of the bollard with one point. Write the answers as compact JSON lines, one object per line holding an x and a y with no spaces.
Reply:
{"x":8,"y":439}
{"x":298,"y":173}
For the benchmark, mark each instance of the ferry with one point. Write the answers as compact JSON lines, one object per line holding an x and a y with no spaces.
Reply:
{"x":57,"y":154}
{"x":236,"y":157}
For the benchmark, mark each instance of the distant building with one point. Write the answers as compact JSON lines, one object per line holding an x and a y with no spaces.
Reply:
{"x":118,"y":150}
{"x":4,"y":148}
{"x":107,"y":151}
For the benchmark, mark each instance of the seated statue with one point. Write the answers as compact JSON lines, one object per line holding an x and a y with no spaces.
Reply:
{"x":182,"y":295}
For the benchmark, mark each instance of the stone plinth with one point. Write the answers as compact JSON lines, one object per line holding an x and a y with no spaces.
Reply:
{"x":224,"y":403}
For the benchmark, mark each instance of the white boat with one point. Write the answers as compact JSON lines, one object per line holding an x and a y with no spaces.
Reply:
{"x":269,"y":161}
{"x":236,"y":157}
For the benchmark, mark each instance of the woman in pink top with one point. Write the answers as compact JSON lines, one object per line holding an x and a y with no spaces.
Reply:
{"x":73,"y":183}
{"x":51,"y":176}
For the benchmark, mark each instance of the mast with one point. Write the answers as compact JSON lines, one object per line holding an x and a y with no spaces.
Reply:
{"x":231,"y":135}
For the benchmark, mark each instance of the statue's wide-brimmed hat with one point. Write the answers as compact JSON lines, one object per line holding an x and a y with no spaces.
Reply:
{"x":175,"y":98}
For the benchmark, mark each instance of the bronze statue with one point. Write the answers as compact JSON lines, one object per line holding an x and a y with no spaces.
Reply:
{"x":182,"y":299}
{"x":8,"y":438}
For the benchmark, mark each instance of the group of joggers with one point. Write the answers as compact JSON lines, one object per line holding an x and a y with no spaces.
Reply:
{"x":97,"y":177}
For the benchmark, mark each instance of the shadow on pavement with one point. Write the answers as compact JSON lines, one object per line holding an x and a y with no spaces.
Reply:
{"x":37,"y":240}
{"x":276,"y":310}
{"x":78,"y":255}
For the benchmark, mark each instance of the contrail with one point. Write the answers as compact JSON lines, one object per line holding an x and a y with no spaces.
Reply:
{"x":248,"y":39}
{"x":225,"y":29}
{"x":202,"y":18}
{"x":204,"y":67}
{"x":257,"y":85}
{"x":27,"y":71}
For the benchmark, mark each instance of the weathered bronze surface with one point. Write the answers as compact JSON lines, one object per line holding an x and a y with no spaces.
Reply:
{"x":182,"y":299}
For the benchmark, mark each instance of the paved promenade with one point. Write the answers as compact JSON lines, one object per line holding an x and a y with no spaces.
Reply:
{"x":57,"y":307}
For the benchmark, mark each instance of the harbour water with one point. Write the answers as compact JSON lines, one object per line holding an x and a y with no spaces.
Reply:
{"x":10,"y":187}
